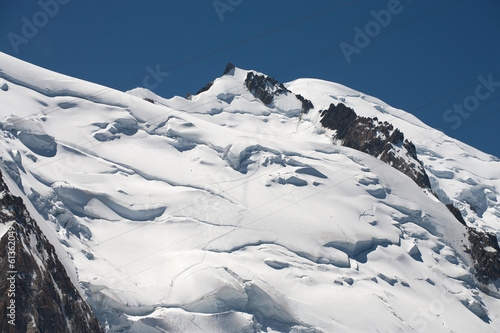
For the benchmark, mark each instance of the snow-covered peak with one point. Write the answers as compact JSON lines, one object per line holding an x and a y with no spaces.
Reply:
{"x":236,"y":91}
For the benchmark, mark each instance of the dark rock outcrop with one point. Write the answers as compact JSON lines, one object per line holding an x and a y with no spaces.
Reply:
{"x":265,"y":88}
{"x":205,"y":88}
{"x":379,"y":139}
{"x":33,"y":279}
{"x":456,"y":212}
{"x":229,"y":68}
{"x":485,"y":254}
{"x":306,"y":104}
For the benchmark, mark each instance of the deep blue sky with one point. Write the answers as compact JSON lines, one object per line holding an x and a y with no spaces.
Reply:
{"x":427,"y":58}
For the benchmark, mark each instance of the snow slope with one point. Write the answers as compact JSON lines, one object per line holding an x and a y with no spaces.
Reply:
{"x":221,"y":214}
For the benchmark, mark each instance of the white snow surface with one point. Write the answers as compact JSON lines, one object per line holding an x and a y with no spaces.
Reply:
{"x":222,"y":214}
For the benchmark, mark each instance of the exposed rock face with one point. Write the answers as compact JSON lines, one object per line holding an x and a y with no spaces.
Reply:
{"x":485,"y":254}
{"x":266,"y":88}
{"x":379,"y":139}
{"x":229,"y":68}
{"x":456,"y":212}
{"x":44,"y":296}
{"x":205,"y":88}
{"x":306,"y":104}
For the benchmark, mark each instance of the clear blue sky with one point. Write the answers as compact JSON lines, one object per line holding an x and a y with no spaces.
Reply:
{"x":425,"y":60}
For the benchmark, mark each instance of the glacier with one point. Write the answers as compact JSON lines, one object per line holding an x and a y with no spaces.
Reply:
{"x":236,"y":210}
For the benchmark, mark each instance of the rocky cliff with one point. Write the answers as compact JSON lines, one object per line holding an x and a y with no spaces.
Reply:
{"x":266,"y":88}
{"x":37,"y":294}
{"x":379,"y":139}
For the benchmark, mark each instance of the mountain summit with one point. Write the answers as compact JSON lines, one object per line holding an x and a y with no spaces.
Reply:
{"x":251,"y":206}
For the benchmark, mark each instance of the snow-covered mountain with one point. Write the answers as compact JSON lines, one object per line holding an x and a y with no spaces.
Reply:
{"x":254,"y":206}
